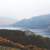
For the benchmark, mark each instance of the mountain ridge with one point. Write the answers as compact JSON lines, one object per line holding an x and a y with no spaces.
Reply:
{"x":34,"y":22}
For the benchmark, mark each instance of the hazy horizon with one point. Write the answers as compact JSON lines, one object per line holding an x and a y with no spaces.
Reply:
{"x":15,"y":10}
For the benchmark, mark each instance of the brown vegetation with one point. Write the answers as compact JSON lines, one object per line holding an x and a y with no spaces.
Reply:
{"x":18,"y":39}
{"x":5,"y":41}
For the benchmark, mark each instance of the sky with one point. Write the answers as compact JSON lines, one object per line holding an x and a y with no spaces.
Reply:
{"x":14,"y":10}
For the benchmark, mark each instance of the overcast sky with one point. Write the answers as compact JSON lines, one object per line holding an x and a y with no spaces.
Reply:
{"x":14,"y":10}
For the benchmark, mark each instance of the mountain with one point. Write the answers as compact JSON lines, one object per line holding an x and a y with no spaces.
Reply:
{"x":39,"y":22}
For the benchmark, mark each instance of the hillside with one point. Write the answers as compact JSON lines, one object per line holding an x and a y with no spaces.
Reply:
{"x":20,"y":37}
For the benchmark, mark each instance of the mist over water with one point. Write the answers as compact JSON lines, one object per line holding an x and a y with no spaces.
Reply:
{"x":37,"y":31}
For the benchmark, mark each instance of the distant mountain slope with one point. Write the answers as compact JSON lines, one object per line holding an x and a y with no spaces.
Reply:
{"x":38,"y":22}
{"x":35,"y":22}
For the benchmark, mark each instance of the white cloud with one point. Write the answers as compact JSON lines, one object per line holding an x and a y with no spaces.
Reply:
{"x":24,"y":8}
{"x":41,"y":7}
